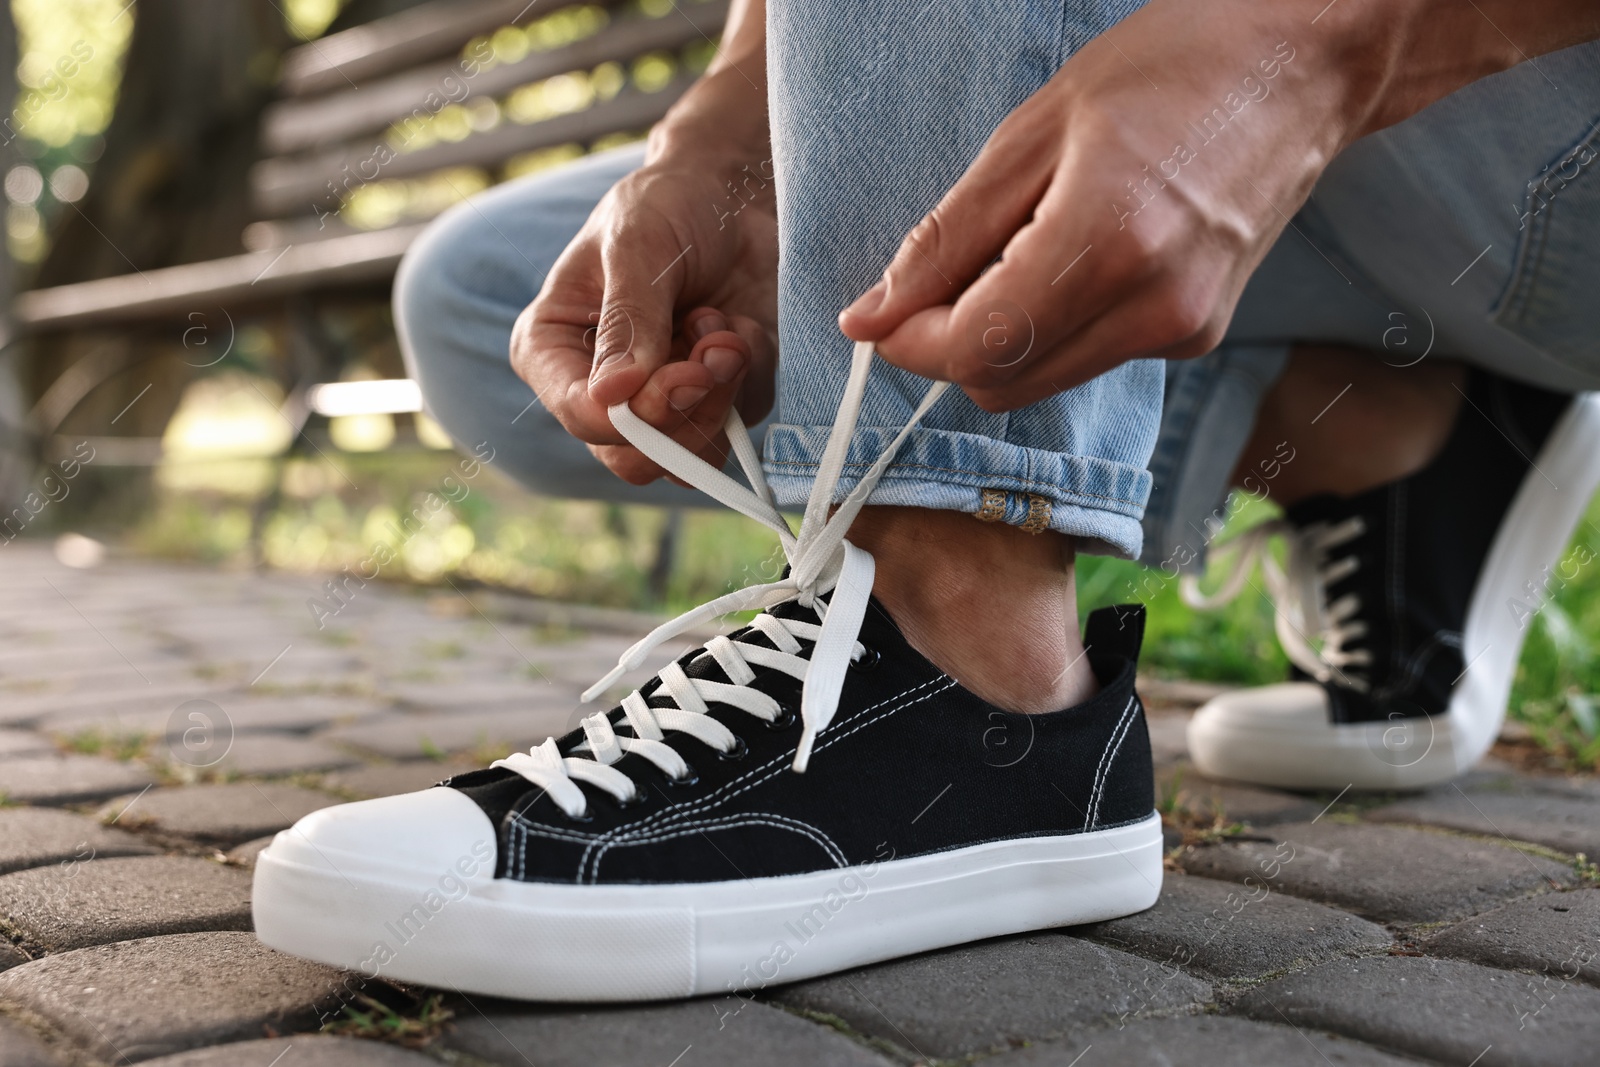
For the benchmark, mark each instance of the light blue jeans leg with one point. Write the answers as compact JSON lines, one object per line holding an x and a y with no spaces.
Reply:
{"x":458,"y":292}
{"x":877,"y":109}
{"x":1471,"y":231}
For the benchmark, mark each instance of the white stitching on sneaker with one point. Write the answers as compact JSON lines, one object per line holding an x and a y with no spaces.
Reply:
{"x":820,"y":561}
{"x":1101,"y":772}
{"x":726,"y":822}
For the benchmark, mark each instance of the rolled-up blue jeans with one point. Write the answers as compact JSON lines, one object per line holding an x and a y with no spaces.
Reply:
{"x":878,"y":108}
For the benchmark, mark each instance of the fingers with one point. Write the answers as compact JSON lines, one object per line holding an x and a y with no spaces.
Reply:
{"x":634,"y":331}
{"x":962,"y":235}
{"x":687,"y":399}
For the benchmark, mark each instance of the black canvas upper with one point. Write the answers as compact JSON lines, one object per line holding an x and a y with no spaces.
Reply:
{"x":911,"y":764}
{"x":1424,"y":544}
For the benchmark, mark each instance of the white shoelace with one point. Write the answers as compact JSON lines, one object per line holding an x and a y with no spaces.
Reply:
{"x":1300,"y":594}
{"x":820,"y":561}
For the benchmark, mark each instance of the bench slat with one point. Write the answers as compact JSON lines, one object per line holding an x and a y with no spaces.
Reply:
{"x":425,"y":32}
{"x":295,"y":125}
{"x":301,"y":186}
{"x":232,"y":281}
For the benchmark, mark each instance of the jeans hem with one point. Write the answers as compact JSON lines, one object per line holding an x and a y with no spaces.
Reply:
{"x":1098,"y":501}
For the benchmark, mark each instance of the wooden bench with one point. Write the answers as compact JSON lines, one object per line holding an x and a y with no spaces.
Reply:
{"x":365,"y":106}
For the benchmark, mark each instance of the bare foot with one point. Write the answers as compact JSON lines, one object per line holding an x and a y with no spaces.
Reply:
{"x":989,"y":604}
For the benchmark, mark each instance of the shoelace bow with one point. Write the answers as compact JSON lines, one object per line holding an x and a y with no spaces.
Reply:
{"x":821,"y":561}
{"x":1299,"y":594}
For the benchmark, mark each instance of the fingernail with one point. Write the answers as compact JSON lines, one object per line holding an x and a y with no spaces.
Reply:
{"x":686,"y":396}
{"x":610,"y":365}
{"x":870,"y":300}
{"x":723,"y":363}
{"x":707,"y":324}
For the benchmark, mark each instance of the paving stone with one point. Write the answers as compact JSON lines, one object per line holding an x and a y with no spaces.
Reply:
{"x":14,"y":743}
{"x":274,"y":714}
{"x":1230,"y":931}
{"x":455,"y":695}
{"x":219,"y":814}
{"x":134,"y":1000}
{"x":21,"y":1047}
{"x":57,"y":908}
{"x":33,"y":837}
{"x":1386,"y":873}
{"x":387,"y":779}
{"x":728,"y":1031}
{"x":1169,"y":738}
{"x":130,"y":698}
{"x":1568,"y":824}
{"x":299,"y":1050}
{"x":1232,"y":801}
{"x":996,"y":994}
{"x":245,"y":855}
{"x":1439,"y":1009}
{"x":417,"y":734}
{"x":1201,"y":1041}
{"x":1556,"y":934}
{"x":68,"y":779}
{"x":268,"y":754}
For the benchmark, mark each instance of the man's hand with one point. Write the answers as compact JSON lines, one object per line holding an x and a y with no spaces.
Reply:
{"x":664,"y":300}
{"x":1129,"y":200}
{"x":667,"y":298}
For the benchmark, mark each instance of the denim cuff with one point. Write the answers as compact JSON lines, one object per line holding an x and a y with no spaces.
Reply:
{"x":1096,"y":500}
{"x":1207,"y":418}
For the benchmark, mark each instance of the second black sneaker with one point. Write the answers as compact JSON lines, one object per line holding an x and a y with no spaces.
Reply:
{"x":1403,"y":609}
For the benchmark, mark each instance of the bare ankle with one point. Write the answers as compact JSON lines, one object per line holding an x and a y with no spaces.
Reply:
{"x":1351,"y":421}
{"x":991,"y":605}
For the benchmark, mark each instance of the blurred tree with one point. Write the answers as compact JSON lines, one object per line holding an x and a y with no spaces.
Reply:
{"x":171,"y":187}
{"x":16,"y":460}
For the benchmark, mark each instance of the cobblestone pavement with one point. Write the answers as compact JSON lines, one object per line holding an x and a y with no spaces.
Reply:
{"x":159,"y":723}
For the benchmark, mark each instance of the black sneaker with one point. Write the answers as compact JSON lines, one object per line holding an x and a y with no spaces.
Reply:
{"x":1403,"y":609}
{"x":700,"y":862}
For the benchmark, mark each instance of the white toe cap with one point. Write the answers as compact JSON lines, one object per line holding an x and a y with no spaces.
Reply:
{"x":433,"y":831}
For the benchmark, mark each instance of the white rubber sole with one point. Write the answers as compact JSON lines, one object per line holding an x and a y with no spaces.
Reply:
{"x":539,"y":941}
{"x":1280,"y":735}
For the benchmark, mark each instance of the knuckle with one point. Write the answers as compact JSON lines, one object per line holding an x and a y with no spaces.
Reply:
{"x":927,"y":238}
{"x":1172,"y":319}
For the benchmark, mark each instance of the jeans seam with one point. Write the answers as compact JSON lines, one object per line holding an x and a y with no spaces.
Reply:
{"x":957,"y":470}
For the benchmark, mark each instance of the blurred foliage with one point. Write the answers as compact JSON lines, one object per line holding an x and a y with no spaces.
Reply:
{"x":308,"y":18}
{"x":70,"y":62}
{"x":70,"y":54}
{"x":1557,"y":688}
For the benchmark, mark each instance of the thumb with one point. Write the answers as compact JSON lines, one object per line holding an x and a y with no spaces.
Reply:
{"x":633,"y":337}
{"x":953,"y":244}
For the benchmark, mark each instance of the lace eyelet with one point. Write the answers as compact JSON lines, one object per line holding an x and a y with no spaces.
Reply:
{"x":636,"y":801}
{"x":785,"y":719}
{"x":689,"y":778}
{"x":587,"y":816}
{"x":738,"y":752}
{"x":870,"y":657}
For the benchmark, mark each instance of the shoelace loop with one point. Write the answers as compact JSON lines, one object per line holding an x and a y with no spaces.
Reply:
{"x":1300,"y":594}
{"x":821,"y":562}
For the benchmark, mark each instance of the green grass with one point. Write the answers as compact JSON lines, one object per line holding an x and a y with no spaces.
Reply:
{"x":603,"y":554}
